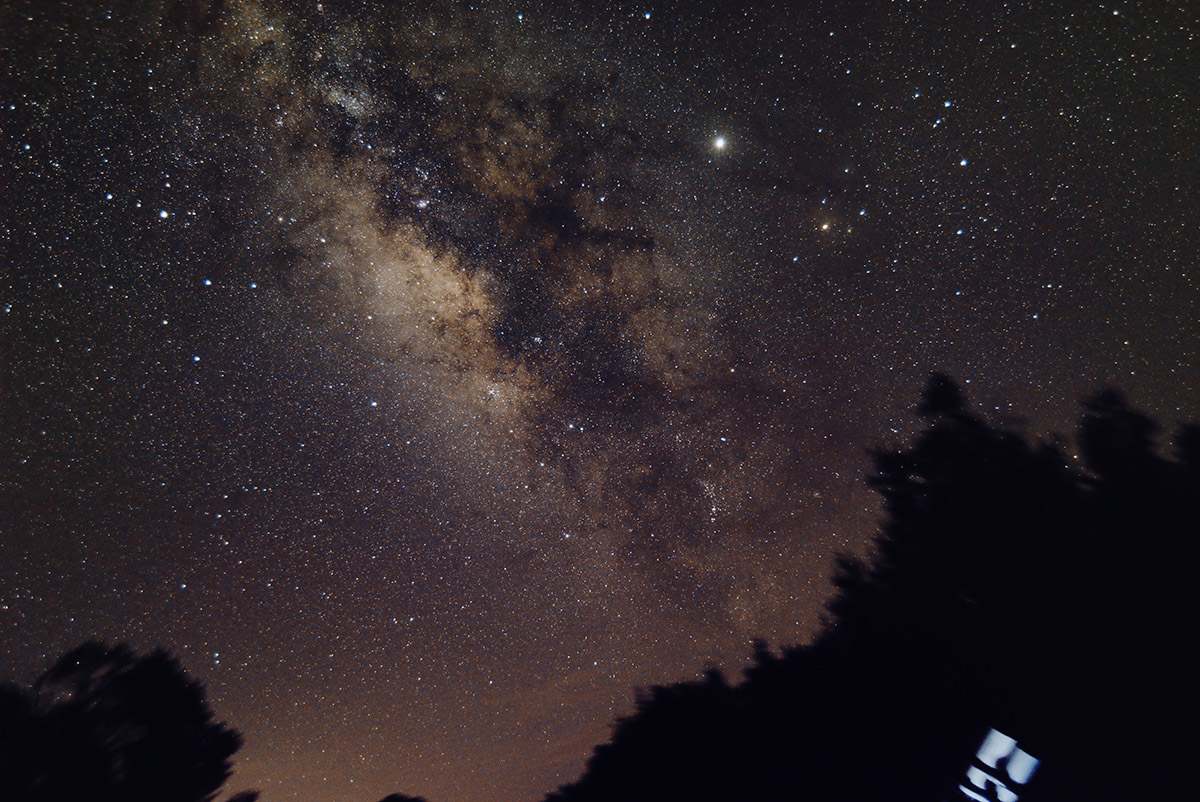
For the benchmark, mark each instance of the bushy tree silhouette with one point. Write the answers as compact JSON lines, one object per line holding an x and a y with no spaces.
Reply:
{"x":1011,"y":585}
{"x":105,"y":725}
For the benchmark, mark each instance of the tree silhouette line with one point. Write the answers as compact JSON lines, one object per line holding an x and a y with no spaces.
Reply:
{"x":1013,"y":585}
{"x":1043,"y":590}
{"x":105,"y":725}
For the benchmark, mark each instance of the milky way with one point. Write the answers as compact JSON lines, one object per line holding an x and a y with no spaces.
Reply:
{"x":428,"y":376}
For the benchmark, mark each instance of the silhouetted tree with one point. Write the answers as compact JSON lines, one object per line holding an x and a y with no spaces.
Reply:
{"x":105,"y":725}
{"x":244,"y":796}
{"x":1011,"y":585}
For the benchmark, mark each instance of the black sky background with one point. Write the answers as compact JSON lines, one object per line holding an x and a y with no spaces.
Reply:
{"x":429,"y":375}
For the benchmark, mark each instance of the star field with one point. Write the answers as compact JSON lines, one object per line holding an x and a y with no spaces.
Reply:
{"x":428,"y":376}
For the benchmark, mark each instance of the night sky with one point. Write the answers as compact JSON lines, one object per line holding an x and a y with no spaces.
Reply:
{"x":428,"y":376}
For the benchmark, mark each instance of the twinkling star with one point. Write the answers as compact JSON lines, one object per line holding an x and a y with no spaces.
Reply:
{"x":440,"y":292}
